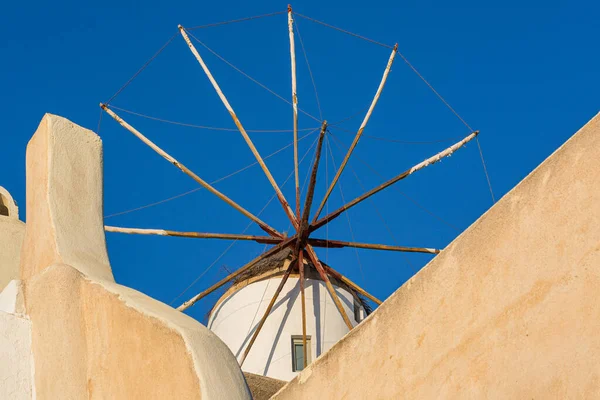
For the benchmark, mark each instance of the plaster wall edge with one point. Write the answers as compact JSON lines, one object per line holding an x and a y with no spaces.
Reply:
{"x":56,"y":124}
{"x":195,"y":340}
{"x":307,"y":372}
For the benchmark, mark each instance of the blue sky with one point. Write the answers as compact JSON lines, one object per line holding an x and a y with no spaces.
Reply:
{"x":523,"y":73}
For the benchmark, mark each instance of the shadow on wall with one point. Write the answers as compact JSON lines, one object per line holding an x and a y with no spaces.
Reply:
{"x":8,"y":207}
{"x":293,"y":295}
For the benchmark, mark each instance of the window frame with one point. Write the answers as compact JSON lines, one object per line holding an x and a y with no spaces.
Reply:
{"x":359,"y":311}
{"x":297,"y":340}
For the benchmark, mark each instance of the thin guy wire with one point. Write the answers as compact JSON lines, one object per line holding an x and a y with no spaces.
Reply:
{"x":243,"y":232}
{"x":309,"y":70}
{"x":345,"y":31}
{"x":387,"y":227}
{"x":305,"y":182}
{"x":251,"y":78}
{"x":398,"y":190}
{"x":341,"y":121}
{"x":235,"y":20}
{"x":212,"y":183}
{"x":327,"y":211}
{"x":360,"y":266}
{"x":487,"y":177}
{"x":99,"y":122}
{"x":485,"y":169}
{"x":424,"y":80}
{"x":258,"y":307}
{"x":141,"y":69}
{"x":208,"y":127}
{"x":261,"y":298}
{"x":402,"y":141}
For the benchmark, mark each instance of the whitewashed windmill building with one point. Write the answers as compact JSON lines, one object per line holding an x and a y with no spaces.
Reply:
{"x":278,"y":350}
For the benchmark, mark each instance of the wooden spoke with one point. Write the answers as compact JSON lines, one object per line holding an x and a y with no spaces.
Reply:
{"x":359,"y":132}
{"x":353,"y":285}
{"x":421,"y":165}
{"x":294,"y":107}
{"x":315,"y":260}
{"x":332,"y":244}
{"x":246,"y":267}
{"x":186,"y":171}
{"x":197,"y":235}
{"x":240,"y":127}
{"x":303,"y":231}
{"x":303,"y":298}
{"x":267,"y":311}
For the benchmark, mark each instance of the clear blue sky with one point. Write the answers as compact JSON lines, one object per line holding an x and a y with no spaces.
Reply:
{"x":524,"y":73}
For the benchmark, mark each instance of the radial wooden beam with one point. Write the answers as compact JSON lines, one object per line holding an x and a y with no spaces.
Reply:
{"x":294,"y":107}
{"x":359,"y":132}
{"x":267,"y":311}
{"x":231,"y":276}
{"x":315,"y":260}
{"x":353,"y":285}
{"x":303,"y":229}
{"x":185,"y":170}
{"x":280,"y":196}
{"x":421,"y":165}
{"x":332,"y":244}
{"x":303,"y":300}
{"x":196,"y":235}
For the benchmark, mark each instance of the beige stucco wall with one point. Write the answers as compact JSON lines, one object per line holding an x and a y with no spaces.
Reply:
{"x":509,"y":309}
{"x":89,"y":343}
{"x":12,"y":231}
{"x":93,"y":338}
{"x":64,"y":200}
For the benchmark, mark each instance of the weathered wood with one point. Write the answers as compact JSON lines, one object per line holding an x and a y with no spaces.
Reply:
{"x":315,"y":260}
{"x":185,"y":170}
{"x":303,"y":229}
{"x":284,"y":279}
{"x":196,"y":235}
{"x":280,"y":196}
{"x":359,"y":132}
{"x":353,"y":285}
{"x":421,"y":165}
{"x":303,"y":300}
{"x":231,"y":276}
{"x":294,"y":107}
{"x":332,"y":244}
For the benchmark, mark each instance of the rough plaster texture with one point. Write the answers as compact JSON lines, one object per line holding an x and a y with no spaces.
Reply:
{"x":12,"y":231}
{"x":15,"y":357}
{"x":508,"y":310}
{"x":11,"y":298}
{"x":64,"y":200}
{"x":92,"y":338}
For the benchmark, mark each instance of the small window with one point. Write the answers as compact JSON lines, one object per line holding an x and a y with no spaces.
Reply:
{"x":298,"y":352}
{"x":358,"y":311}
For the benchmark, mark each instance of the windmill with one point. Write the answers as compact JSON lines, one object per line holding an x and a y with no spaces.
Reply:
{"x":299,"y":246}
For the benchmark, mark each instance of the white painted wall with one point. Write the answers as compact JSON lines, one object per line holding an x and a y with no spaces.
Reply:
{"x":236,"y":317}
{"x":16,"y":372}
{"x":12,"y":231}
{"x":11,"y":298}
{"x":16,"y":361}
